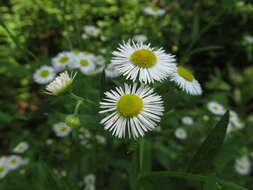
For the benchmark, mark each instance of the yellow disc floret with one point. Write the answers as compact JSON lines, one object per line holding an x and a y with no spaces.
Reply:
{"x":44,"y":73}
{"x":64,"y":59}
{"x":130,"y":105}
{"x":144,"y":58}
{"x":185,"y":73}
{"x":84,"y":62}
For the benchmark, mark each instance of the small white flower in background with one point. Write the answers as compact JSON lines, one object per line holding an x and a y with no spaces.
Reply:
{"x":91,"y":30}
{"x":61,"y":129}
{"x":84,"y":63}
{"x":49,"y":142}
{"x":100,"y":139}
{"x":90,"y":179}
{"x":90,"y":187}
{"x":100,"y":60}
{"x":233,"y":116}
{"x":133,"y":110}
{"x":238,"y":124}
{"x":111,"y":71}
{"x":60,"y":84}
{"x":63,"y":173}
{"x":3,"y":167}
{"x":85,"y":36}
{"x":181,"y":133}
{"x":21,"y":147}
{"x":44,"y":74}
{"x":243,"y":165}
{"x":186,"y":81}
{"x":187,"y":120}
{"x":230,"y":127}
{"x":248,"y":39}
{"x":140,"y":38}
{"x":103,"y":38}
{"x":206,"y":118}
{"x":155,"y":11}
{"x":84,"y":133}
{"x":216,"y":108}
{"x":14,"y":162}
{"x":62,"y":61}
{"x":138,"y":61}
{"x":25,"y":161}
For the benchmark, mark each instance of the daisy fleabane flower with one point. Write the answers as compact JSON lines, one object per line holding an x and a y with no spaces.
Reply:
{"x":186,"y":81}
{"x":216,"y":108}
{"x":60,"y":84}
{"x":138,"y":61}
{"x":62,"y":60}
{"x":133,"y":110}
{"x":155,"y":11}
{"x":44,"y":74}
{"x":21,"y":147}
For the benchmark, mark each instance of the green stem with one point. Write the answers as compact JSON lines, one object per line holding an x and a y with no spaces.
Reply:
{"x":184,"y":175}
{"x":82,"y":99}
{"x":79,"y":102}
{"x":141,"y":153}
{"x":15,"y":40}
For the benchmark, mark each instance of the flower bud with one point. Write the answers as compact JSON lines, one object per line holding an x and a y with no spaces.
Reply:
{"x":72,"y":121}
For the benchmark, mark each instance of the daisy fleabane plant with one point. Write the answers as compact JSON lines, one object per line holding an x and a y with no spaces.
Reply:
{"x":186,"y":81}
{"x":60,"y":84}
{"x":139,"y":61}
{"x":133,"y":110}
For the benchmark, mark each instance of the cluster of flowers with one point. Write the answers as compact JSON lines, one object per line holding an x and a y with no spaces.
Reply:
{"x":87,"y":63}
{"x":13,"y":162}
{"x":234,"y":121}
{"x":62,"y":130}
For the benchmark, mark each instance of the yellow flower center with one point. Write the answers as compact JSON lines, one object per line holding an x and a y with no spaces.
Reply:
{"x":84,"y":62}
{"x":76,"y":51}
{"x":64,"y":59}
{"x":155,"y":9}
{"x":63,"y":129}
{"x":216,"y":108}
{"x":185,"y":73}
{"x":130,"y":105}
{"x":2,"y":169}
{"x":44,"y":73}
{"x":13,"y":161}
{"x":144,"y":58}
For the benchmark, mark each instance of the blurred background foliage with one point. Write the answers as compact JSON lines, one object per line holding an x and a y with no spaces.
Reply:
{"x":208,"y":36}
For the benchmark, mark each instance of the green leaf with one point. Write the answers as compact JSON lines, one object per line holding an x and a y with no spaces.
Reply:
{"x":195,"y":28}
{"x":211,"y":184}
{"x":202,"y":161}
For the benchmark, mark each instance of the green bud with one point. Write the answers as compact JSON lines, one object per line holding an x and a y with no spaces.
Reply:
{"x":72,"y":121}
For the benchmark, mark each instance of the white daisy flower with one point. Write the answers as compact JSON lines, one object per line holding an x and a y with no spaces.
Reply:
{"x":84,"y":133}
{"x":62,"y":60}
{"x":60,"y":84}
{"x":216,"y":108}
{"x":137,"y":61}
{"x":21,"y":147}
{"x":90,"y":179}
{"x":85,"y":36}
{"x":61,"y":129}
{"x":155,"y":11}
{"x":134,"y":110}
{"x":44,"y":74}
{"x":243,"y":165}
{"x":85,"y":63}
{"x":91,"y":30}
{"x":100,"y":139}
{"x":100,"y":60}
{"x":111,"y":71}
{"x":187,"y":120}
{"x":248,"y":39}
{"x":3,"y":167}
{"x":233,"y":116}
{"x":180,"y":133}
{"x":90,"y":187}
{"x":186,"y":81}
{"x":140,"y":38}
{"x":14,"y":162}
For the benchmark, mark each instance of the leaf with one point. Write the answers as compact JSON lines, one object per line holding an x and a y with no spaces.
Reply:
{"x":195,"y":28}
{"x":211,"y":183}
{"x":102,"y":84}
{"x":202,"y":161}
{"x":205,"y":48}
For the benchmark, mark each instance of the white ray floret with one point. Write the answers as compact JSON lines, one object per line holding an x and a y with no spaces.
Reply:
{"x":132,"y":109}
{"x":139,"y":61}
{"x":60,"y":84}
{"x":186,"y":81}
{"x":44,"y":74}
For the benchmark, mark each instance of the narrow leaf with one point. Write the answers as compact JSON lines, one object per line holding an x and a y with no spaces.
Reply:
{"x":102,"y":84}
{"x":202,"y":161}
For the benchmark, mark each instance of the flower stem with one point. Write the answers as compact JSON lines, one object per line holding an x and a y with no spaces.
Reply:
{"x":82,"y":99}
{"x":79,"y":102}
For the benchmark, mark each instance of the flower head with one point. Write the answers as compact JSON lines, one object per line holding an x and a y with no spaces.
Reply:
{"x":153,"y":10}
{"x":91,"y":30}
{"x":140,"y":38}
{"x":137,"y":61}
{"x":187,"y":120}
{"x":85,"y":63}
{"x":186,"y":81}
{"x":100,"y":139}
{"x":21,"y":147}
{"x":14,"y":162}
{"x":62,"y":60}
{"x":243,"y":165}
{"x":3,"y":167}
{"x":134,"y":110}
{"x":90,"y":179}
{"x":61,"y":129}
{"x":60,"y":84}
{"x":44,"y":74}
{"x":111,"y":71}
{"x":216,"y":108}
{"x":180,"y":133}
